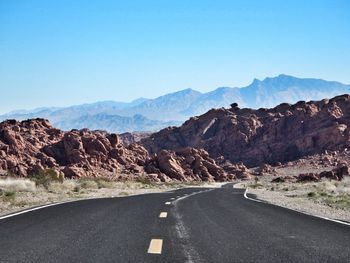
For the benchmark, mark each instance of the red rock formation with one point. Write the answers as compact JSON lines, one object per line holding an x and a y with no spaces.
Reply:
{"x":30,"y":146}
{"x":254,"y":137}
{"x":337,"y":173}
{"x":187,"y":165}
{"x":133,"y":137}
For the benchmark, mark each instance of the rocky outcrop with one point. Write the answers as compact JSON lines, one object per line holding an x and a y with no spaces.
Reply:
{"x":133,"y":137}
{"x":187,"y":164}
{"x":337,"y":173}
{"x":30,"y":146}
{"x":255,"y":137}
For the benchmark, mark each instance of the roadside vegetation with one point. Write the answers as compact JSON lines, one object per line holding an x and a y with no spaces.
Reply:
{"x":332,"y":193}
{"x":255,"y":183}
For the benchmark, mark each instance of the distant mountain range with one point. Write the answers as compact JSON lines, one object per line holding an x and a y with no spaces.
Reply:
{"x":173,"y":108}
{"x":103,"y":121}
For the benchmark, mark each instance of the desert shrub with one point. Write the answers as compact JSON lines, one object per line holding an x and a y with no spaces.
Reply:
{"x":88,"y":184}
{"x":95,"y":182}
{"x":311,"y":194}
{"x":103,"y":182}
{"x":21,"y":203}
{"x":8,"y":196}
{"x":255,"y":184}
{"x":76,"y":189}
{"x":65,"y":187}
{"x":323,"y":194}
{"x":46,"y":177}
{"x":145,"y":180}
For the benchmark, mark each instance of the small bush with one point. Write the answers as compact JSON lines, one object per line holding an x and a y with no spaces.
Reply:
{"x":76,"y":189}
{"x":144,"y":180}
{"x":46,"y":177}
{"x":103,"y":182}
{"x":60,"y":188}
{"x":21,"y":203}
{"x":94,"y":183}
{"x":88,"y":184}
{"x":311,"y":194}
{"x":8,"y":196}
{"x":255,"y":184}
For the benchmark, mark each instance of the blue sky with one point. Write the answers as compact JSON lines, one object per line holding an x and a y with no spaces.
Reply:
{"x":57,"y":52}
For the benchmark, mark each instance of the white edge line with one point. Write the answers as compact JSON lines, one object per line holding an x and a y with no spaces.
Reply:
{"x":302,"y":212}
{"x":37,"y":208}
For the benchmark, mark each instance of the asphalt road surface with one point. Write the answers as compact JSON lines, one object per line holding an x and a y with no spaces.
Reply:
{"x":196,"y":225}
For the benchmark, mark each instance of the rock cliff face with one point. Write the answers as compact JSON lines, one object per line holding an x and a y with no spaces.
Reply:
{"x":30,"y":146}
{"x":254,"y":137}
{"x":133,"y":137}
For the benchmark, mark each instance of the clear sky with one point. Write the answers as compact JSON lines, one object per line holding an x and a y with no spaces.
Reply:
{"x":57,"y":52}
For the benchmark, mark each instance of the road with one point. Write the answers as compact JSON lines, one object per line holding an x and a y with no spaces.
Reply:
{"x":197,"y":225}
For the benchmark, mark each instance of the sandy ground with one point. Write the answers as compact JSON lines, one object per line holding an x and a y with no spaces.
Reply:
{"x":327,"y":198}
{"x":20,"y":194}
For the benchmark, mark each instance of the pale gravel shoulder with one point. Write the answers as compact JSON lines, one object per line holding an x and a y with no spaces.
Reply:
{"x":296,"y":198}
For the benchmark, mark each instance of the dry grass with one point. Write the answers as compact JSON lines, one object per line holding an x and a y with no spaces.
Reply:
{"x":17,"y":185}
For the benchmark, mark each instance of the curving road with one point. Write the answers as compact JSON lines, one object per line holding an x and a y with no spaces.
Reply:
{"x":196,"y":225}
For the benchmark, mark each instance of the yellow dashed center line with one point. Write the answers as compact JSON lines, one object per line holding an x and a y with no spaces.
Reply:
{"x":163,"y":215}
{"x":155,"y":247}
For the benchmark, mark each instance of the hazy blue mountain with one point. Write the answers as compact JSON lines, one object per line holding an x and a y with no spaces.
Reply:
{"x":221,"y":97}
{"x":114,"y":123}
{"x":172,"y":108}
{"x":60,"y":115}
{"x":165,"y":108}
{"x":283,"y":88}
